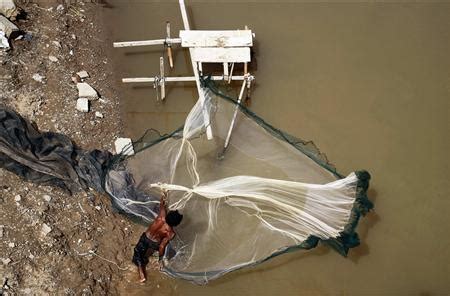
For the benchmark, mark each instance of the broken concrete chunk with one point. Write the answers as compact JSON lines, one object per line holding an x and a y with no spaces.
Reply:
{"x":8,"y":27}
{"x":17,"y":198}
{"x":83,"y":105}
{"x":6,"y":261}
{"x":11,"y":245}
{"x":3,"y":40}
{"x":38,"y":77}
{"x":45,"y":229}
{"x":98,"y":114}
{"x":86,"y":91}
{"x":8,"y":9}
{"x":83,"y":74}
{"x":1,"y":231}
{"x":124,"y":146}
{"x":47,"y":198}
{"x":53,"y":58}
{"x":57,"y":44}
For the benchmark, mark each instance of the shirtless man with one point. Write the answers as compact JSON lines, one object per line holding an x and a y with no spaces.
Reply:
{"x":156,"y":237}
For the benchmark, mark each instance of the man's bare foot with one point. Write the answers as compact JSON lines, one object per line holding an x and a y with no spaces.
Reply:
{"x":142,"y":277}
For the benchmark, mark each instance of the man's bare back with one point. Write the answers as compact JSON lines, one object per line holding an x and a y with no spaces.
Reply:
{"x":156,"y":237}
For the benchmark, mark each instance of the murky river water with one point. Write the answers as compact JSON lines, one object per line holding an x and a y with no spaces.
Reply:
{"x":370,"y":84}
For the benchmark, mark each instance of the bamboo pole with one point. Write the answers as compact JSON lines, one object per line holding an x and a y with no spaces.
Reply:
{"x":233,"y":120}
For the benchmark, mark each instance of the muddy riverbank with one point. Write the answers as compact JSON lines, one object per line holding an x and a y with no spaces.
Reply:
{"x":53,"y":242}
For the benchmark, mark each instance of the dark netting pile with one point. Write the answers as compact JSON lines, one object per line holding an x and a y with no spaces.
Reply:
{"x":246,"y":179}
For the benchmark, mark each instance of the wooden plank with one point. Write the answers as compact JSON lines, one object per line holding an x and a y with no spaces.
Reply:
{"x":146,"y":42}
{"x":227,"y":38}
{"x":220,"y":55}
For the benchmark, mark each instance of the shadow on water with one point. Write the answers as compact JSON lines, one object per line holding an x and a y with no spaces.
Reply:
{"x":279,"y":262}
{"x":364,"y":226}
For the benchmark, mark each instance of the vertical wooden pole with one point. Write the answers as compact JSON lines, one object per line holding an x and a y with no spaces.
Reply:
{"x":231,"y":73}
{"x":225,"y":71}
{"x":169,"y":45}
{"x":197,"y":77}
{"x":162,"y":78}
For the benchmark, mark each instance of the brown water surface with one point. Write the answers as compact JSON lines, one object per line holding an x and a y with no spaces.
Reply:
{"x":370,"y":84}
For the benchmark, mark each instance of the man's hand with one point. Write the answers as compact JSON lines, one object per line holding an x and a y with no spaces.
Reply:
{"x":163,"y":262}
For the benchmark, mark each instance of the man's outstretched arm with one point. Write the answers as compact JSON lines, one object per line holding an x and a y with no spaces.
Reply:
{"x":162,"y":205}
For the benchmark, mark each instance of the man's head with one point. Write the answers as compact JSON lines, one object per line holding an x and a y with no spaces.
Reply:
{"x":173,"y":218}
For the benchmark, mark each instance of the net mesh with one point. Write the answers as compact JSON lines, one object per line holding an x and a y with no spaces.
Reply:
{"x":247,"y":194}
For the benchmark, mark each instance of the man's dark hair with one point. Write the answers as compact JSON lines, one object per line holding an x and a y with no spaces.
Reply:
{"x":173,"y":218}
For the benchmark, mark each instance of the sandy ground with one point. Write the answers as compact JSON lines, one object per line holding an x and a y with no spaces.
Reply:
{"x":89,"y":246}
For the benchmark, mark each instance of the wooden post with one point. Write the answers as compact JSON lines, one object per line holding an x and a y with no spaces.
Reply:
{"x":162,"y":78}
{"x":169,"y":45}
{"x":225,"y":71}
{"x":197,"y":77}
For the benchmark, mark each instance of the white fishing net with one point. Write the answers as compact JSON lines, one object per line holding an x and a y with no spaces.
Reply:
{"x":242,"y":204}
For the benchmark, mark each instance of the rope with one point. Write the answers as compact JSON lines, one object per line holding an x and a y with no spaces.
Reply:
{"x":91,"y":252}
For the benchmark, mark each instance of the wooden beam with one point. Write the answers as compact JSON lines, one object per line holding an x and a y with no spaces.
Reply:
{"x":226,"y":38}
{"x":177,"y":79}
{"x":147,"y":42}
{"x":220,"y":55}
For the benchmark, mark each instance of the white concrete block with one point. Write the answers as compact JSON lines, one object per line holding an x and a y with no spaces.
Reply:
{"x":83,"y":105}
{"x":86,"y":91}
{"x":8,"y":8}
{"x":124,"y":146}
{"x":83,"y":74}
{"x":7,"y":26}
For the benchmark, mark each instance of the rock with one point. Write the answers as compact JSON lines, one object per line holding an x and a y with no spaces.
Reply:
{"x":8,"y":27}
{"x":47,"y":198}
{"x":6,"y":261}
{"x":17,"y":198}
{"x":60,"y":8}
{"x":83,"y":105}
{"x":98,"y":208}
{"x":57,"y":44}
{"x":53,"y":58}
{"x":124,"y":146}
{"x":86,"y":91}
{"x":3,"y":40}
{"x":45,"y":229}
{"x":28,"y":37}
{"x":38,"y":77}
{"x":11,"y":245}
{"x":83,"y":74}
{"x":98,"y":114}
{"x":9,"y":9}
